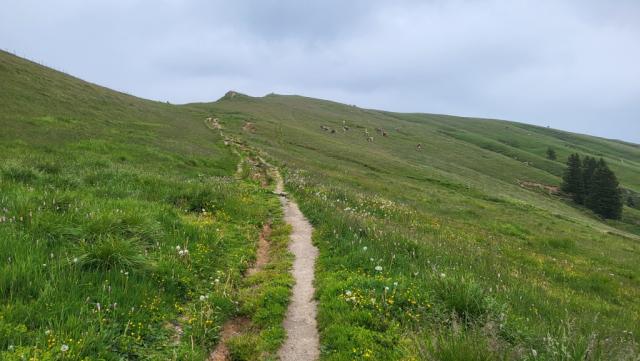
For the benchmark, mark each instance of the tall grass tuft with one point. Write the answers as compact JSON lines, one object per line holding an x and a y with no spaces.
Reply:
{"x":464,"y":297}
{"x":460,"y":346}
{"x":112,"y":253}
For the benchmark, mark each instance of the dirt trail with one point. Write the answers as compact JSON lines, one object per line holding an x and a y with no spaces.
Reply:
{"x":303,"y":342}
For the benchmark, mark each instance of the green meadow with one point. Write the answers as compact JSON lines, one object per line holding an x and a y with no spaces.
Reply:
{"x":451,"y":251}
{"x":440,"y":253}
{"x":124,"y":230}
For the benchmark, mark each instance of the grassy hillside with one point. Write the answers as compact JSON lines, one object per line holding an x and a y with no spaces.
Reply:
{"x":472,"y":265}
{"x":455,"y":251}
{"x":124,"y":233}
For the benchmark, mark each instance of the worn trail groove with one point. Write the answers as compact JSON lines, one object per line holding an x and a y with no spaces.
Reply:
{"x":239,"y":325}
{"x":303,"y":342}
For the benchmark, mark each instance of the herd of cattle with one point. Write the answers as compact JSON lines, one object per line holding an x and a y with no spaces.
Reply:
{"x":380,"y":131}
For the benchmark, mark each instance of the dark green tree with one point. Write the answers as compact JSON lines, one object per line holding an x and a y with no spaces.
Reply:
{"x":573,"y":182}
{"x":551,"y":154}
{"x":631,"y":202}
{"x":605,"y":196}
{"x":589,"y":166}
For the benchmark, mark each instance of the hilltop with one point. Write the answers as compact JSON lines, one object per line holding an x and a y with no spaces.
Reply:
{"x":439,"y":236}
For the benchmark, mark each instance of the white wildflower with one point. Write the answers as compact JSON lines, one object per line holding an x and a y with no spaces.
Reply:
{"x":202,"y":298}
{"x":348,"y":293}
{"x":378,"y":268}
{"x":442,"y":275}
{"x":64,"y":348}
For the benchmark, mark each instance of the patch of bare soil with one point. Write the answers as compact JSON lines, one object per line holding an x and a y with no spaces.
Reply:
{"x":230,"y":329}
{"x":213,"y":123}
{"x":249,"y":127}
{"x":539,"y":186}
{"x":262,"y":255}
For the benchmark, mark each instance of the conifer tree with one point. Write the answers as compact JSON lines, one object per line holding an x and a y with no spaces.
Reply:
{"x":605,"y":196}
{"x":631,"y":202}
{"x":573,"y":182}
{"x":551,"y":154}
{"x":589,"y":166}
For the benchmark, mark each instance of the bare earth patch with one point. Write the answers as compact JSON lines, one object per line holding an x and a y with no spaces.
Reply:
{"x":262,"y":254}
{"x":230,"y":329}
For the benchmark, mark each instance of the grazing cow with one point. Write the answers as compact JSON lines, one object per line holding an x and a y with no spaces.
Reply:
{"x":370,"y":139}
{"x":345,"y":128}
{"x":419,"y":146}
{"x":333,"y":131}
{"x":379,"y":130}
{"x":366,"y":132}
{"x":325,"y":128}
{"x":384,"y":134}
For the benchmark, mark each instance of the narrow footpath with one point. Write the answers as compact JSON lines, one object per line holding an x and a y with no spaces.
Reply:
{"x":303,"y":342}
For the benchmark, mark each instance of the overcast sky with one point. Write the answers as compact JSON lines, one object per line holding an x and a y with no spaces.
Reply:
{"x":570,"y":64}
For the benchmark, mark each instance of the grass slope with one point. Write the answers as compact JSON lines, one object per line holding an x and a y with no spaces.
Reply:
{"x":440,"y":253}
{"x":436,"y":253}
{"x":101,"y":196}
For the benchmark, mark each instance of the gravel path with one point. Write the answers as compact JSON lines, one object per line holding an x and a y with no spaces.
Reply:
{"x":302,"y":343}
